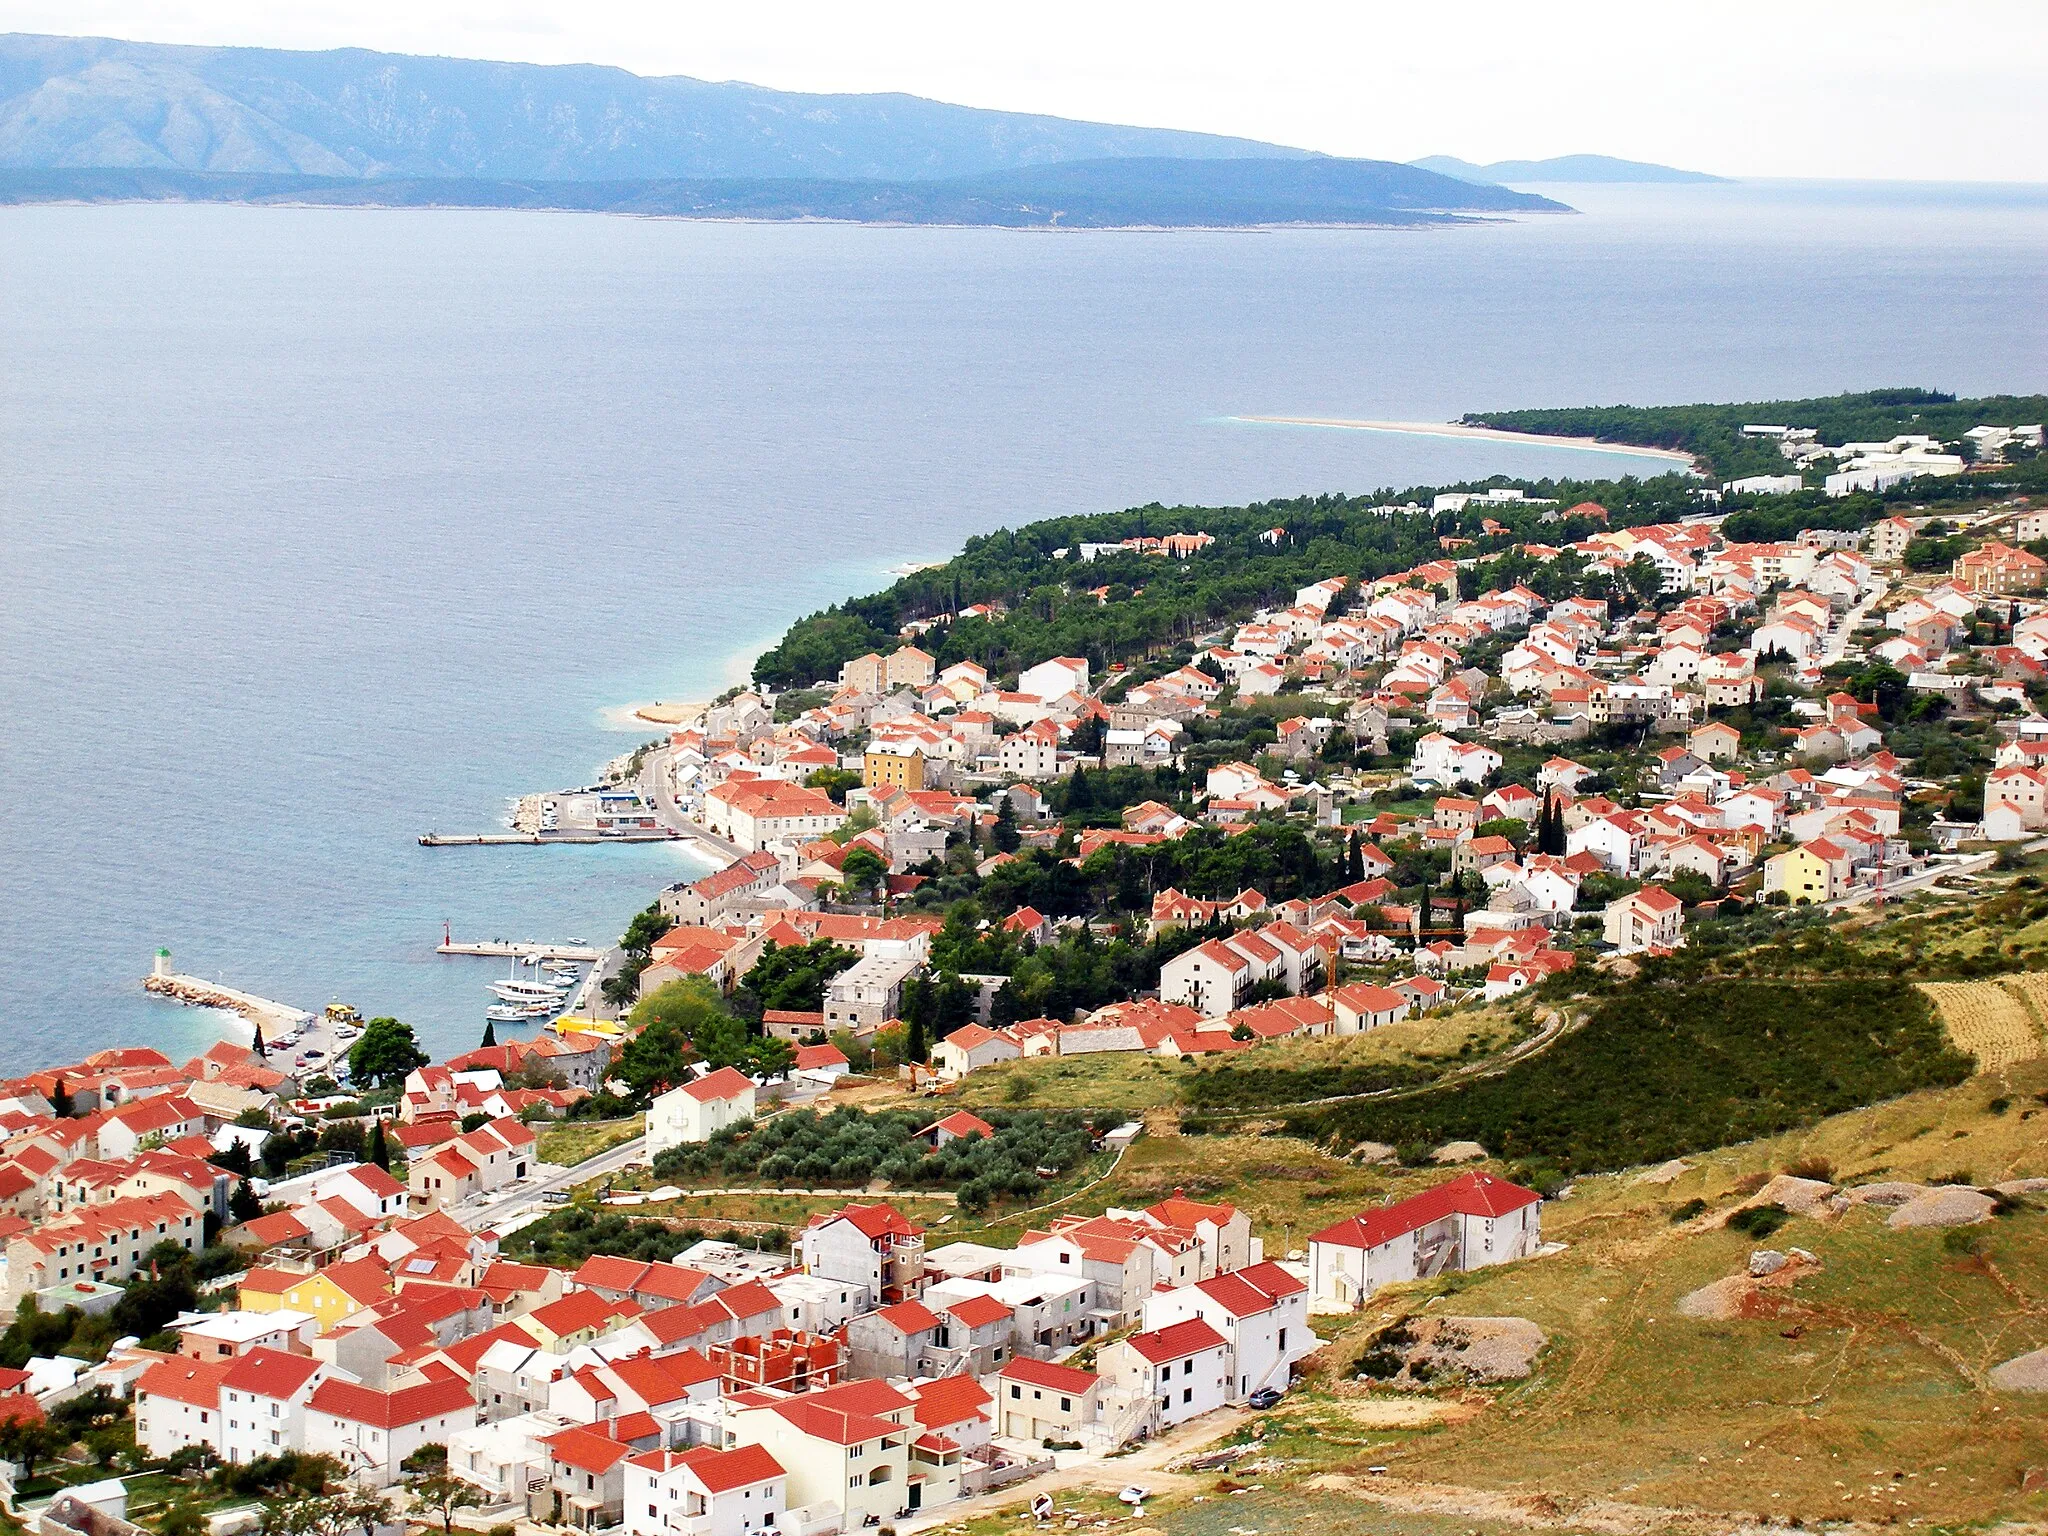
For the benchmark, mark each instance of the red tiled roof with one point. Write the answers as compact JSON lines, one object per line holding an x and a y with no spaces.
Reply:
{"x":949,"y":1400}
{"x":188,"y":1381}
{"x":979,"y":1311}
{"x":269,"y":1373}
{"x":1470,"y":1194}
{"x":909,"y":1317}
{"x":960,"y":1123}
{"x":1176,"y":1340}
{"x":388,"y":1410}
{"x":1247,"y":1292}
{"x":586,"y":1449}
{"x":719,"y":1471}
{"x":1043,"y":1373}
{"x":841,"y":1426}
{"x":725,"y":1083}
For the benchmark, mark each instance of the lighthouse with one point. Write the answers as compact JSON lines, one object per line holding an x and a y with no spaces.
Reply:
{"x":162,"y":967}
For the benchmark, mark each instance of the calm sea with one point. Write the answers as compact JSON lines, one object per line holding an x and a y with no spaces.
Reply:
{"x":323,"y":528}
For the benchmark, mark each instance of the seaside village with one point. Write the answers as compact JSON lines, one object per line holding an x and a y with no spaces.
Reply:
{"x":861,"y":1374}
{"x":1811,"y":811}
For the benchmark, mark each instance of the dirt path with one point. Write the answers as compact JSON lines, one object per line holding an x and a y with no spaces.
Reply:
{"x":1559,"y":1025}
{"x":1104,"y":1476}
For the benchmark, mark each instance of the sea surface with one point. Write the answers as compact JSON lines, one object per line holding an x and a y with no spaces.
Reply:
{"x":320,"y":529}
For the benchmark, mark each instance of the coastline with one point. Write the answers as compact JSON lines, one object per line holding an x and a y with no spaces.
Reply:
{"x":1484,"y":434}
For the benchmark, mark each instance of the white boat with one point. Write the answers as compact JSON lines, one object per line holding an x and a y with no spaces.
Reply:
{"x":504,"y":1013}
{"x":527,"y":992}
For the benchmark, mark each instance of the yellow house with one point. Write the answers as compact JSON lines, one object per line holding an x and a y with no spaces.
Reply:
{"x":1802,"y":875}
{"x":901,"y":770}
{"x":326,"y":1295}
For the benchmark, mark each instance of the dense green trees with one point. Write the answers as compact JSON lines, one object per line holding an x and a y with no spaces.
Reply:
{"x":685,"y":1021}
{"x":848,"y":1147}
{"x":1714,"y":432}
{"x":386,"y":1052}
{"x":638,"y":944}
{"x":1663,"y":1069}
{"x":793,"y":977}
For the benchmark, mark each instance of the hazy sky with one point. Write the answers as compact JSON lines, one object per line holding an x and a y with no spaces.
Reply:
{"x":1881,"y":88}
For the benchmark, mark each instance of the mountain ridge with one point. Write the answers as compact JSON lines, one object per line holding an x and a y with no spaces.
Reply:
{"x":79,"y":103}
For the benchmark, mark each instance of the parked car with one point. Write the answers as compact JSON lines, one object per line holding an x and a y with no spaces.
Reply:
{"x":1265,"y":1397}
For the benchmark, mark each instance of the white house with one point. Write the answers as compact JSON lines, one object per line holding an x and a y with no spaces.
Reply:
{"x":1056,"y":678}
{"x":872,"y":1246}
{"x":1473,"y":1221}
{"x":972,"y":1046}
{"x":1362,"y":1006}
{"x":1185,"y":1367}
{"x":848,"y":1445}
{"x":177,"y":1403}
{"x":1448,"y":761}
{"x":263,"y":1399}
{"x":705,"y":1491}
{"x":1262,"y":1311}
{"x":371,"y":1432}
{"x":698,"y":1110}
{"x":1651,"y":918}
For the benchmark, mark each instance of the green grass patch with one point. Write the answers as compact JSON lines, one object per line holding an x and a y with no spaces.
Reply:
{"x":579,"y":1140}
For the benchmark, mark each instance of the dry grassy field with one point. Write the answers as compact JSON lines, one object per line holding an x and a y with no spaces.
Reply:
{"x":1998,"y":1022}
{"x":1855,"y":1398}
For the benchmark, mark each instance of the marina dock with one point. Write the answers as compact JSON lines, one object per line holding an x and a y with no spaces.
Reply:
{"x":270,"y":1017}
{"x":511,"y":949}
{"x":538,"y":839}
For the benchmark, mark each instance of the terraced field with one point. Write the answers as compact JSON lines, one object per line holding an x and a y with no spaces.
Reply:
{"x":1997,"y":1022}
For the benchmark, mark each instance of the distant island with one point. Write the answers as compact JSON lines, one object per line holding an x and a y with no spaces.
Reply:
{"x":1088,"y":194}
{"x":94,"y":120}
{"x":1560,"y":168}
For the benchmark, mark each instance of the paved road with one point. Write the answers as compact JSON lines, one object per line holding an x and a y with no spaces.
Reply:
{"x":528,"y":1196}
{"x":1839,"y":637}
{"x":654,"y":786}
{"x":1895,"y":889}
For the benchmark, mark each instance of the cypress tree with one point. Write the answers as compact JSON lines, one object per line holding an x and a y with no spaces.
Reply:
{"x":380,"y":1153}
{"x":490,"y":1034}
